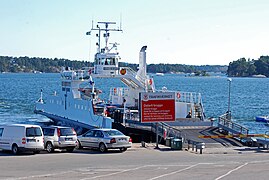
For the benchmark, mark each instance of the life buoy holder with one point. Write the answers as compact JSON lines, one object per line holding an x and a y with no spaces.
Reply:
{"x":178,"y":95}
{"x":123,"y":71}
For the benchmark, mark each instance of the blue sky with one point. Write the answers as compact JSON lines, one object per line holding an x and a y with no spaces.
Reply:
{"x":193,"y":32}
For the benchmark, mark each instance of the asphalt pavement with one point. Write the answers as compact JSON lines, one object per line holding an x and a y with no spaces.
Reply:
{"x":139,"y":162}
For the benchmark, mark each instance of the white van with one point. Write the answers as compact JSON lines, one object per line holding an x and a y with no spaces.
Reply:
{"x":21,"y":137}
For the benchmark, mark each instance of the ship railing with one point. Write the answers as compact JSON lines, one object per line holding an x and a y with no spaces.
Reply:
{"x":188,"y":97}
{"x":226,"y":124}
{"x":193,"y":98}
{"x":118,"y":91}
{"x":75,"y":75}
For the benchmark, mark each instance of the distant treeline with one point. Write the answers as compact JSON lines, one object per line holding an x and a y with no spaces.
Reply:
{"x":247,"y":68}
{"x":168,"y":68}
{"x":47,"y":65}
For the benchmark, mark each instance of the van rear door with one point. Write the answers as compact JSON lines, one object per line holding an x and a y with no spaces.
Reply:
{"x":34,"y":137}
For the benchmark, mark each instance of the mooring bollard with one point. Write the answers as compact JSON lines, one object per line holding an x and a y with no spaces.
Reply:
{"x":143,"y":144}
{"x":200,"y":146}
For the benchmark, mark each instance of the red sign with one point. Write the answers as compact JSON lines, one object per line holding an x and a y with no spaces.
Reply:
{"x":158,"y":107}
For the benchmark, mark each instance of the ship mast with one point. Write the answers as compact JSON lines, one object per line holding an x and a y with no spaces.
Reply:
{"x":105,"y":60}
{"x":106,"y":29}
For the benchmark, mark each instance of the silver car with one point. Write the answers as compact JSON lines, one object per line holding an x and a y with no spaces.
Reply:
{"x":59,"y":137}
{"x":104,"y":139}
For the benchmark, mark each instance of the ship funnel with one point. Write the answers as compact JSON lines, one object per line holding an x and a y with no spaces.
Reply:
{"x":142,"y":72}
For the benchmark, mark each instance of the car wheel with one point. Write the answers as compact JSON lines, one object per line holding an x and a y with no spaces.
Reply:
{"x":102,"y":147}
{"x":70,"y":150}
{"x":49,"y":147}
{"x":15,"y":149}
{"x":123,"y":149}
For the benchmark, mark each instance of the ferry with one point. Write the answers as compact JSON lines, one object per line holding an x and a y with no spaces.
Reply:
{"x":77,"y":104}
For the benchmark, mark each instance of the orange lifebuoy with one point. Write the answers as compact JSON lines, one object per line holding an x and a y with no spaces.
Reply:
{"x":150,"y":81}
{"x":123,"y":71}
{"x":178,"y":95}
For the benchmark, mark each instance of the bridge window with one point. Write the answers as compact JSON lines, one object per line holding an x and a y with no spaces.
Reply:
{"x":107,"y":61}
{"x":113,"y":61}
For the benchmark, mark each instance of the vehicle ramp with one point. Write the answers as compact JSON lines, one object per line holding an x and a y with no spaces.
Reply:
{"x":193,"y":133}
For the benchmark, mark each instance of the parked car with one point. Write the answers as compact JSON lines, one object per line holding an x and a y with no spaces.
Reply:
{"x":104,"y":139}
{"x":21,"y":137}
{"x":59,"y":137}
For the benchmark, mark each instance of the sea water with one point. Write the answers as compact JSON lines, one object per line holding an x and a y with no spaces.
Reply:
{"x":249,"y":97}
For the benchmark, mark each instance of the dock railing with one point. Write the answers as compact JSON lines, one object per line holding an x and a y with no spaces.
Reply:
{"x":170,"y":131}
{"x":226,"y":124}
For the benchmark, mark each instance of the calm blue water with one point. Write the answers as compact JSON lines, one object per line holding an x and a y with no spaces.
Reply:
{"x":249,"y":96}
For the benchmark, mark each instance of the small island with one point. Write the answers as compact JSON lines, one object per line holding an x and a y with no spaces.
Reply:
{"x":249,"y":68}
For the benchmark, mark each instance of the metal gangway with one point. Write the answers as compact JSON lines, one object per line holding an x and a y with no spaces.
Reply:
{"x":230,"y":127}
{"x":234,"y":130}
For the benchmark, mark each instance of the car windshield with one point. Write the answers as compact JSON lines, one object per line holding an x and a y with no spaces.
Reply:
{"x":113,"y":133}
{"x":66,"y":132}
{"x":33,"y":132}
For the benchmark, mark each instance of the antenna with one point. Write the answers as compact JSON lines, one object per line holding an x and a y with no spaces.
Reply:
{"x":120,"y":20}
{"x":106,"y":35}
